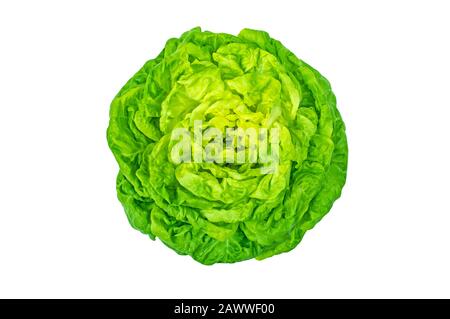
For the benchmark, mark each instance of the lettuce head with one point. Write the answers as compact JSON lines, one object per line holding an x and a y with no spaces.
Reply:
{"x":219,"y":197}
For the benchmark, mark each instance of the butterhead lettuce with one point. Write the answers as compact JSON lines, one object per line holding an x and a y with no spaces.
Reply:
{"x":220,"y":211}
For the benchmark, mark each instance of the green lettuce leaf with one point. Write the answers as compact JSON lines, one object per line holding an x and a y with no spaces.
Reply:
{"x":220,"y":212}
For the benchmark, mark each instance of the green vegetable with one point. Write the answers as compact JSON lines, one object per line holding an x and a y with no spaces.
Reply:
{"x":220,"y":211}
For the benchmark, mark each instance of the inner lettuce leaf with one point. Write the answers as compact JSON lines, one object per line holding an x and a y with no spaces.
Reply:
{"x":221,"y":212}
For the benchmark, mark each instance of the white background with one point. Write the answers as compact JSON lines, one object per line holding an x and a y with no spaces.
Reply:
{"x":63,"y":233}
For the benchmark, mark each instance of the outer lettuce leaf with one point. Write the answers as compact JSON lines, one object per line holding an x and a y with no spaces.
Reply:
{"x":220,"y":213}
